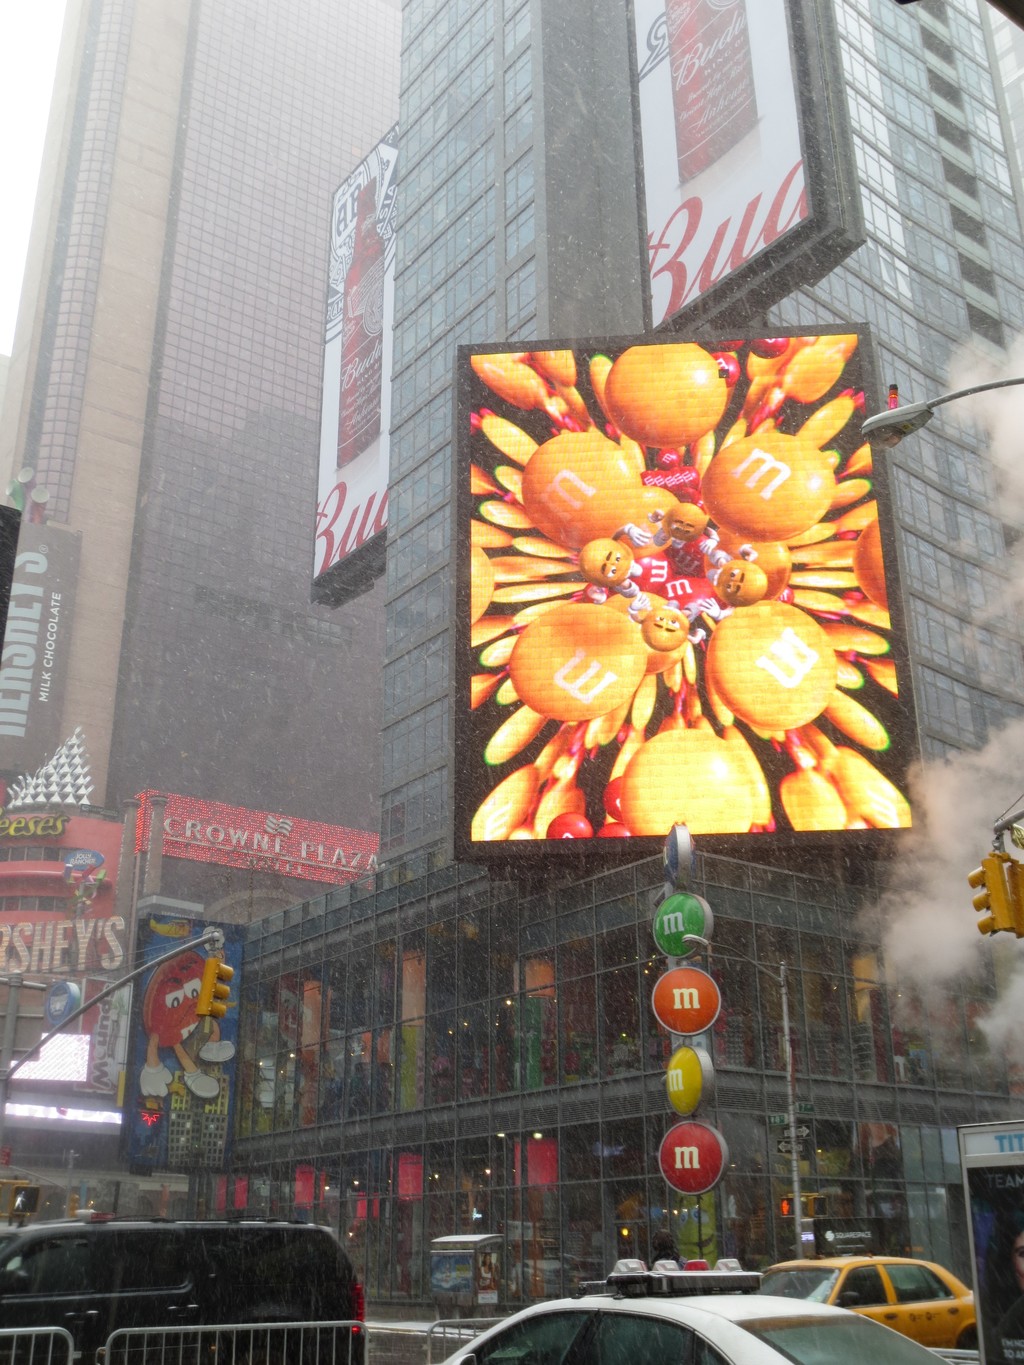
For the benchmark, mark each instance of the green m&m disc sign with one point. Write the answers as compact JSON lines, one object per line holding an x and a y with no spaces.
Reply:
{"x":678,"y":916}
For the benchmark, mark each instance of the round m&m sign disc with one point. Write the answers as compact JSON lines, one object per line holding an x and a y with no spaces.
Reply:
{"x":692,"y":1157}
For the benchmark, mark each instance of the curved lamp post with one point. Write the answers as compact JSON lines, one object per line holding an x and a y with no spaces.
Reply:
{"x":889,"y":428}
{"x":780,"y":978}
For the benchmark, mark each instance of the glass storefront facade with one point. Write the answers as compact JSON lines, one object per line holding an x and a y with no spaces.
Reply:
{"x":448,"y":1055}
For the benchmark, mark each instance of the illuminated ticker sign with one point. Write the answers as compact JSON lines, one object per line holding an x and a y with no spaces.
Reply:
{"x":675,"y":572}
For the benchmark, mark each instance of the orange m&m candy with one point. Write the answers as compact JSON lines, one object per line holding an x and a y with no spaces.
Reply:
{"x":868,"y":566}
{"x":481,"y":583}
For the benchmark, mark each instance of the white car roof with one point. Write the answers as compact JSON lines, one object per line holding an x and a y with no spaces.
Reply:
{"x":721,"y":1318}
{"x":733,"y":1307}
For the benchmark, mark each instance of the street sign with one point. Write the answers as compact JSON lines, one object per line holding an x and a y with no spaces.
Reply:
{"x":678,"y":859}
{"x":804,"y":1107}
{"x":62,"y":999}
{"x":678,"y":918}
{"x":777,"y":1120}
{"x":785,"y":1147}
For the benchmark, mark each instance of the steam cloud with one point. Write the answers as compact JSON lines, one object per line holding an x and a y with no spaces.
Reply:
{"x":929,"y":927}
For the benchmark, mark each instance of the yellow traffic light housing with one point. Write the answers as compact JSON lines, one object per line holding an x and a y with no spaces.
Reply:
{"x":997,"y":898}
{"x":215,"y":989}
{"x":1015,"y":883}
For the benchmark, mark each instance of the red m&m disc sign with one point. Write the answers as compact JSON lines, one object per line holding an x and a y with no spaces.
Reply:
{"x":686,"y":1000}
{"x":692,"y":1157}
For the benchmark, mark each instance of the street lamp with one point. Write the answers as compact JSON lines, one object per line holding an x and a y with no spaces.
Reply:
{"x":794,"y":1159}
{"x":889,"y":428}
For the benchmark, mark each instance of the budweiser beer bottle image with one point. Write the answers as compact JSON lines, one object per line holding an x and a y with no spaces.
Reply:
{"x":712,"y":79}
{"x":361,"y":339}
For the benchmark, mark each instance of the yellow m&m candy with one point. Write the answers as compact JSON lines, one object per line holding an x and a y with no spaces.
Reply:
{"x":769,"y":487}
{"x":578,"y":661}
{"x":773,"y":666}
{"x":665,"y":395}
{"x":688,"y":777}
{"x":868,"y":566}
{"x":576,"y":485}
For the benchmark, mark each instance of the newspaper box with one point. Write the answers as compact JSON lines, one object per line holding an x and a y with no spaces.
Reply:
{"x":465,"y":1273}
{"x":992,"y":1161}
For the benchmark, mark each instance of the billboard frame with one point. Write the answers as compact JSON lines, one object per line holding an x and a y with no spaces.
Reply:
{"x":834,"y":227}
{"x":594,"y":853}
{"x":351,"y":505}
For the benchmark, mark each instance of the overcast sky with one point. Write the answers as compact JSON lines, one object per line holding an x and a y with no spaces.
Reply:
{"x":29,"y":37}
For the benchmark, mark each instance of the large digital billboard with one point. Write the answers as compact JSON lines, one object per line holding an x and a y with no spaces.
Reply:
{"x":676,"y":600}
{"x":745,"y":153}
{"x":352,"y":487}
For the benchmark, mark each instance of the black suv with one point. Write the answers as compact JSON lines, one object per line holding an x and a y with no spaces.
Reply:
{"x":96,"y":1277}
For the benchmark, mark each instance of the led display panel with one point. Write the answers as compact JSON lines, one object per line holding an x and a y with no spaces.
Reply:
{"x":676,"y":600}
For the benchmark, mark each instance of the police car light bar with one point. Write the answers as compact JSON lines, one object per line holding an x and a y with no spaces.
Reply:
{"x":631,"y":1279}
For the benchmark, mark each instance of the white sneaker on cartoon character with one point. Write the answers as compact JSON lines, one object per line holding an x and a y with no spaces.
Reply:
{"x":154,"y":1080}
{"x":221,"y":1051}
{"x":204,"y":1087}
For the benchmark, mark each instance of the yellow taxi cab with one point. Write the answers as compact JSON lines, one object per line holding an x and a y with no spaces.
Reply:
{"x":918,"y":1298}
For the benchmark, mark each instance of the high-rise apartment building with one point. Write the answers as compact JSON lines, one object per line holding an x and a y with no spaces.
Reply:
{"x":165,"y":388}
{"x":498,"y":1068}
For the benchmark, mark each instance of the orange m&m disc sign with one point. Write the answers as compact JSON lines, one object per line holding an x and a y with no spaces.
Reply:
{"x":692,"y":1157}
{"x":686,"y":1000}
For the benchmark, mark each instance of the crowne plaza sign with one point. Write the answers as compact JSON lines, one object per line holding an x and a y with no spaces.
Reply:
{"x":265,"y":841}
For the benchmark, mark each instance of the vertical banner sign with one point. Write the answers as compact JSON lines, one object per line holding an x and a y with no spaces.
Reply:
{"x":179,"y":1091}
{"x":35,"y":661}
{"x":992,"y":1161}
{"x":356,"y":410}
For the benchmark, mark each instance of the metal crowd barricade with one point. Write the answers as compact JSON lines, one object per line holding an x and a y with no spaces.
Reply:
{"x":36,"y":1346}
{"x":448,"y":1334}
{"x":277,"y":1343}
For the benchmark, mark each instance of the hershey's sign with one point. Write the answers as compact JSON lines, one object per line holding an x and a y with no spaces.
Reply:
{"x":35,"y":659}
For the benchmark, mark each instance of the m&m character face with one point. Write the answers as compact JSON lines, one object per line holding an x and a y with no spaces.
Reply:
{"x":741,"y":584}
{"x":605,"y":562}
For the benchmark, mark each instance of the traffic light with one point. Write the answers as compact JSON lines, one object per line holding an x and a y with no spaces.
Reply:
{"x":18,"y":1198}
{"x":786,"y":1206}
{"x":1001,"y":897}
{"x":215,"y":990}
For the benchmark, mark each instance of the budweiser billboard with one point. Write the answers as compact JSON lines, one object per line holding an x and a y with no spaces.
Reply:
{"x":37,"y":644}
{"x":352,"y":490}
{"x":210,"y":832}
{"x":745,"y":156}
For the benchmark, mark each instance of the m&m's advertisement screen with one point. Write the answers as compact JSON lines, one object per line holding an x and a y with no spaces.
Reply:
{"x":676,"y":580}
